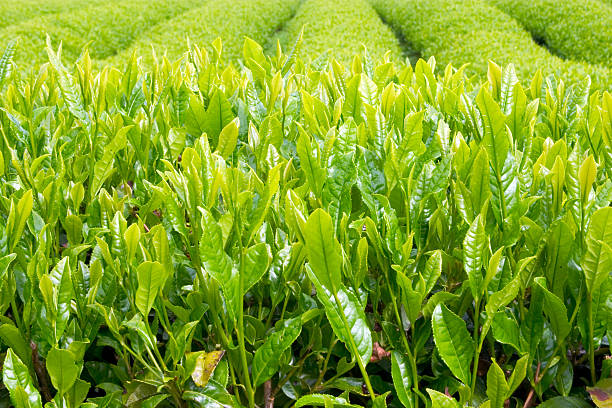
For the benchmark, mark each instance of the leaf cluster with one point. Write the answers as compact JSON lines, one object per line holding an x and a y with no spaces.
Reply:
{"x":296,"y":234}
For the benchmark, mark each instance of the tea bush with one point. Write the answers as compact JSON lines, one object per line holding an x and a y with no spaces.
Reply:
{"x":275,"y":232}
{"x":231,"y":20}
{"x":474,"y":32}
{"x":572,"y":29}
{"x":339,"y":28}
{"x":106,"y":29}
{"x":15,"y":11}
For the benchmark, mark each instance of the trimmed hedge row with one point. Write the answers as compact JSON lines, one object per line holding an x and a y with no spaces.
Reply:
{"x":15,"y":11}
{"x":572,"y":29}
{"x":342,"y":27}
{"x":110,"y":29}
{"x":231,"y":20}
{"x":460,"y":32}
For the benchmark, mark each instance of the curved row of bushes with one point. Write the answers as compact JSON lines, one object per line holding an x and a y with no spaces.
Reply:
{"x":342,"y":27}
{"x":572,"y":29}
{"x":232,"y":20}
{"x":108,"y":28}
{"x":16,"y":11}
{"x":474,"y":32}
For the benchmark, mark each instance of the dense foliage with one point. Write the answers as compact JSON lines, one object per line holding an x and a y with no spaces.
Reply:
{"x":297,"y":235}
{"x":16,"y":11}
{"x":339,"y":29}
{"x":231,"y":20}
{"x":473,"y":32}
{"x":573,"y":29}
{"x":90,"y":26}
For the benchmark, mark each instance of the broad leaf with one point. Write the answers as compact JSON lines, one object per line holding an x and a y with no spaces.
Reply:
{"x":453,"y":342}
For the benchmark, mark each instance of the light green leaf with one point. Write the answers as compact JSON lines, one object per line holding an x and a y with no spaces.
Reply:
{"x":132,"y":238}
{"x":586,"y":177}
{"x":218,"y":115}
{"x":62,"y":368}
{"x":518,"y":375}
{"x":151,"y":277}
{"x":439,"y":400}
{"x":267,"y":359}
{"x":432,"y":272}
{"x":257,"y":259}
{"x":473,"y":249}
{"x":497,"y":386}
{"x":479,"y":181}
{"x":228,"y":139}
{"x":495,"y":138}
{"x":17,"y":380}
{"x":5,"y":62}
{"x":555,"y":310}
{"x":324,"y":251}
{"x":346,"y":317}
{"x":323,"y":400}
{"x":21,"y":215}
{"x":402,"y":381}
{"x":597,"y":261}
{"x":215,"y":260}
{"x":453,"y":341}
{"x":564,"y":402}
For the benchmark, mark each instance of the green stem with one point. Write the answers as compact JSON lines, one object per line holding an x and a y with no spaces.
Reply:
{"x":234,"y":385}
{"x":155,"y":348}
{"x":478,"y":348}
{"x":16,"y":315}
{"x":591,"y":335}
{"x":176,"y":394}
{"x":332,"y":343}
{"x":240,"y":328}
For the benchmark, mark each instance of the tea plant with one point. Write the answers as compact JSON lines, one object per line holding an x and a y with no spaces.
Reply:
{"x":232,"y":20}
{"x":15,"y":11}
{"x":287,"y":234}
{"x":338,"y":28}
{"x":575,"y":29}
{"x":474,"y":32}
{"x":106,"y":29}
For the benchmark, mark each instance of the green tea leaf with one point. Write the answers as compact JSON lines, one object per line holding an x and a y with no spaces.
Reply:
{"x":497,"y":386}
{"x":267,"y":359}
{"x":347,"y":318}
{"x":453,"y":342}
{"x":151,"y":278}
{"x":324,"y":251}
{"x":473,"y":248}
{"x":62,"y":368}
{"x":597,"y":261}
{"x":402,"y":381}
{"x":228,"y":139}
{"x":17,"y":380}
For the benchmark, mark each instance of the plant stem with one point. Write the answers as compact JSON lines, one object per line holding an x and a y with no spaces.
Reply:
{"x":332,"y":343}
{"x":240,"y":327}
{"x":478,"y":346}
{"x":591,"y":335}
